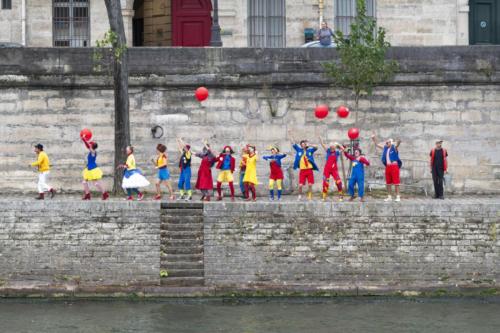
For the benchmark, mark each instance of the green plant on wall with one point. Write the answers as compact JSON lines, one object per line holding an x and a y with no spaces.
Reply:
{"x":362,"y":63}
{"x":111,"y":46}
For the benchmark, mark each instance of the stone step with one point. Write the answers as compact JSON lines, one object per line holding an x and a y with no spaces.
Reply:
{"x":181,"y":219}
{"x":182,"y":250}
{"x":180,"y":265}
{"x":182,"y":205}
{"x":185,"y":272}
{"x":182,"y":242}
{"x":198,"y":257}
{"x":182,"y":212}
{"x":182,"y":227}
{"x":184,"y":234}
{"x":182,"y":281}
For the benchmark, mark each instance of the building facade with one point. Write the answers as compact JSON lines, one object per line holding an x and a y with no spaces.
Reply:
{"x":246,"y":23}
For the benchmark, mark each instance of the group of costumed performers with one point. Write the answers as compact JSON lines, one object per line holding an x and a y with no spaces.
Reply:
{"x":225,"y":162}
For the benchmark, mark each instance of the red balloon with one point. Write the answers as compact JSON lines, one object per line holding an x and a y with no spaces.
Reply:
{"x":321,"y":111}
{"x":86,"y":134}
{"x":353,"y":133}
{"x":342,"y":111}
{"x":201,"y":94}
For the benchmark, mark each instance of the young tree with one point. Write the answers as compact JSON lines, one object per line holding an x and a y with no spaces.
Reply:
{"x":362,"y":63}
{"x":120,"y":83}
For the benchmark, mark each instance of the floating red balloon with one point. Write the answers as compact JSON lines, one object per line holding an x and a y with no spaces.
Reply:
{"x":353,"y":133}
{"x":201,"y":94}
{"x":321,"y":111}
{"x":342,"y":111}
{"x":86,"y":134}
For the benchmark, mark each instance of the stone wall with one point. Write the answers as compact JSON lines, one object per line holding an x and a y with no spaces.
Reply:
{"x":78,"y":245}
{"x":368,"y":248}
{"x":256,"y":96}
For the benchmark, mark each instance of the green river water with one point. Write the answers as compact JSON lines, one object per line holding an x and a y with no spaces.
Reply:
{"x":287,"y":315}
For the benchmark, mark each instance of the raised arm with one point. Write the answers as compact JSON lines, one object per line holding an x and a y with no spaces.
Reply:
{"x":322,"y":143}
{"x":180,"y":144}
{"x":398,"y":142}
{"x":377,"y":144}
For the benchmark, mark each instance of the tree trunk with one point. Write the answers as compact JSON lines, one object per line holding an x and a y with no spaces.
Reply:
{"x":120,"y":85}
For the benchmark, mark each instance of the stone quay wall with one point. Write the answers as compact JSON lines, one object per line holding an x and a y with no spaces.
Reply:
{"x":71,"y":245}
{"x":256,"y":96}
{"x":352,"y":248}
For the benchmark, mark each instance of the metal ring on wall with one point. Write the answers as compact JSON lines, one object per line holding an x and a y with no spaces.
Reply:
{"x":157,"y":132}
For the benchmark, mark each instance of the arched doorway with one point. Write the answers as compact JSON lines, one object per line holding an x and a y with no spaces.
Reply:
{"x":191,"y":22}
{"x":152,"y":23}
{"x":138,"y":24}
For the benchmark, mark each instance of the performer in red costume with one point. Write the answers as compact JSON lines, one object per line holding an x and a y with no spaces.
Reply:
{"x":331,"y":168}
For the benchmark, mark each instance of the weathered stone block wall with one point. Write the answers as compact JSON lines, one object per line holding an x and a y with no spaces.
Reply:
{"x":256,"y":96}
{"x":80,"y":244}
{"x":347,"y":247}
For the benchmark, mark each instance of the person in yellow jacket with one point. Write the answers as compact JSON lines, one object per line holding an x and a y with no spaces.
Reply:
{"x":43,"y":165}
{"x":250,"y":178}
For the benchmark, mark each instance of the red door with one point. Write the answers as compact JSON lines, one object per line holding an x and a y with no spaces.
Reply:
{"x":191,"y":22}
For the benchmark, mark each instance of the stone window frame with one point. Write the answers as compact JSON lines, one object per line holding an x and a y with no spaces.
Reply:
{"x":6,"y":4}
{"x":346,"y":10}
{"x":75,"y":36}
{"x":259,"y":33}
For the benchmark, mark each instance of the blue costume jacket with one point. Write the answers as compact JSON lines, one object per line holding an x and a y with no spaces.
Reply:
{"x":309,"y":154}
{"x":277,"y":158}
{"x":393,"y":155}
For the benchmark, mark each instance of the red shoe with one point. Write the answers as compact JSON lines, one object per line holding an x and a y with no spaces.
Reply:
{"x":140,"y":197}
{"x":232,"y":198}
{"x":158,"y":197}
{"x":52,"y":193}
{"x":130,"y":198}
{"x":86,"y":196}
{"x":105,"y":196}
{"x":41,"y":196}
{"x":207,"y":198}
{"x":219,"y":198}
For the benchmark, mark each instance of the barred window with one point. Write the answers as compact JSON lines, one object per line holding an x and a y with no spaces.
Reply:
{"x":71,"y":23}
{"x":266,"y":23}
{"x":6,"y":4}
{"x":345,"y":11}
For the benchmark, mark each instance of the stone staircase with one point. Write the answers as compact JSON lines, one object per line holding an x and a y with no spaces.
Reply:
{"x":182,"y":244}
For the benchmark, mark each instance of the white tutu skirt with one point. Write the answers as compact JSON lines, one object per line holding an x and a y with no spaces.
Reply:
{"x":134,"y":179}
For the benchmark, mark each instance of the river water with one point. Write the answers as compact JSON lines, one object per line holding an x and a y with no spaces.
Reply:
{"x":287,"y":315}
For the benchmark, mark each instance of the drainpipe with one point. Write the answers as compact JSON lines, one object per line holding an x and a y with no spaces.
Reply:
{"x":23,"y":22}
{"x":321,"y":6}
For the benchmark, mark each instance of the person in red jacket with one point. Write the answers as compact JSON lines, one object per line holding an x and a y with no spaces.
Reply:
{"x":204,"y":182}
{"x":439,"y":166}
{"x":226,"y":163}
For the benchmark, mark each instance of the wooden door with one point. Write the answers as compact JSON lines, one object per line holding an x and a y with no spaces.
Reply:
{"x":191,"y":22}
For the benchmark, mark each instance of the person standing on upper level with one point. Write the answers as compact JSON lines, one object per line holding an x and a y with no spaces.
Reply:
{"x":331,"y":168}
{"x":390,"y":158}
{"x":276,"y":172}
{"x":439,"y":166}
{"x":226,"y":163}
{"x":43,"y":164}
{"x":325,"y":35}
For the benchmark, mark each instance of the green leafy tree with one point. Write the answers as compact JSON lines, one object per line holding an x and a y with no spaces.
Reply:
{"x":362,"y":61}
{"x":112,"y":53}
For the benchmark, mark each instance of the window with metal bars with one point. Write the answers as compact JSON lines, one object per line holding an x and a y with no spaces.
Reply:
{"x":6,"y":4}
{"x":266,"y":23}
{"x":345,"y":11}
{"x":71,"y":25}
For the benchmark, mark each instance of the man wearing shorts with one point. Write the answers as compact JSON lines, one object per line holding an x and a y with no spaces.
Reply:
{"x":304,"y":161}
{"x":390,"y":158}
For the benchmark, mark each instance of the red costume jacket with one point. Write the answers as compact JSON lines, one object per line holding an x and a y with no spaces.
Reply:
{"x":220,"y":161}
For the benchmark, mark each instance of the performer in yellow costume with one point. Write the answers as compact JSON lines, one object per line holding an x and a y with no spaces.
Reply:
{"x":250,"y":179}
